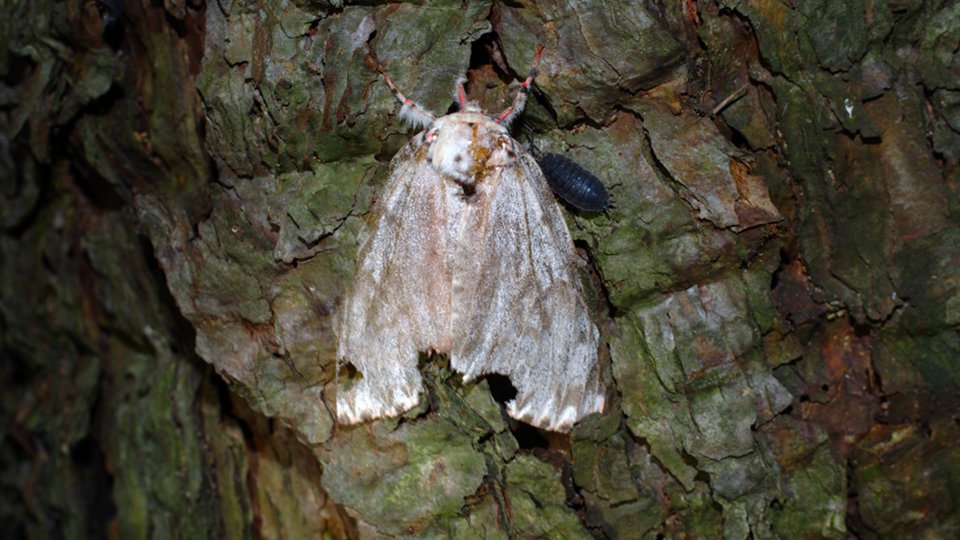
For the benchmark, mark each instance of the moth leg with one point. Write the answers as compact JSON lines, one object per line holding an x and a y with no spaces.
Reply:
{"x":459,"y":94}
{"x":411,"y":112}
{"x":520,"y":101}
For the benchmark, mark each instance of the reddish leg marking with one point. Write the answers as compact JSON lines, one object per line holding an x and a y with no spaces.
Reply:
{"x":411,"y":111}
{"x":461,"y":95}
{"x":404,"y":100}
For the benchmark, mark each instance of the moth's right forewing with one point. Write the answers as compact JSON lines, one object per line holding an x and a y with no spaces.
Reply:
{"x":399,"y":302}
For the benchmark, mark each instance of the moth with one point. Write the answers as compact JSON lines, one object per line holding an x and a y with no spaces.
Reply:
{"x":468,"y":254}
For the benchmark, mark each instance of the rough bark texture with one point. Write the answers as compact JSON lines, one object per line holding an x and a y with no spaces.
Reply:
{"x":777,"y":285}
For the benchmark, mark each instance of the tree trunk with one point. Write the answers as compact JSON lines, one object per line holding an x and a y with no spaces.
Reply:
{"x":184,"y":183}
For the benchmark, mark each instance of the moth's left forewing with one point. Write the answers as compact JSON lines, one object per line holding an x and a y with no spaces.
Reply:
{"x":518,"y":306}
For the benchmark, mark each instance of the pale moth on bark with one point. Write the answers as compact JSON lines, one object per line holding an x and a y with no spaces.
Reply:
{"x":469,"y":255}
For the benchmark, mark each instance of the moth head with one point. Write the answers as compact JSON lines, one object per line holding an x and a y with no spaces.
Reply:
{"x":467,"y":107}
{"x":466,"y":146}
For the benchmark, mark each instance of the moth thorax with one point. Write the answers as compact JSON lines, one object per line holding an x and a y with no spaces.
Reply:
{"x":464,"y":146}
{"x":454,"y":156}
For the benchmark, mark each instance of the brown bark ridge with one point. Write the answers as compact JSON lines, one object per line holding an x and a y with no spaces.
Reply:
{"x":182,"y":185}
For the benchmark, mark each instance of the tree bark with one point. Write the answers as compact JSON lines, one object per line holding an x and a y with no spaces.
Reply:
{"x":183,"y":185}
